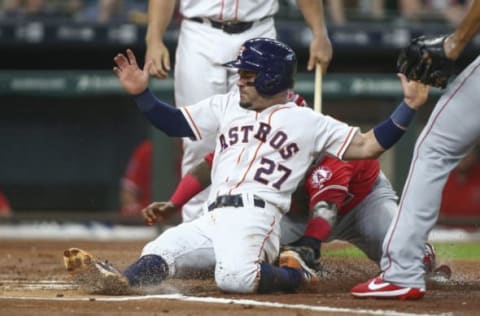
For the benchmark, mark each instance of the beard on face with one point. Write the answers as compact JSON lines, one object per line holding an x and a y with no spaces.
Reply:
{"x":245,"y":105}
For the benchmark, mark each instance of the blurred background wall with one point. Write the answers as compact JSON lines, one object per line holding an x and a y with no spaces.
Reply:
{"x":67,"y":131}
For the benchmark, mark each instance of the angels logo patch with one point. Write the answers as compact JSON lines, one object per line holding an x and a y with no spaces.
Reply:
{"x":320,"y":176}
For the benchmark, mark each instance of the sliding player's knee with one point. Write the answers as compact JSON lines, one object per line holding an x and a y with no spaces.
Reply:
{"x":236,"y":279}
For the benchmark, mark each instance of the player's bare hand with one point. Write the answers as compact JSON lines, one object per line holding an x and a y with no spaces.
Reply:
{"x":415,"y":93}
{"x":320,"y":52}
{"x":159,"y":55}
{"x":158,"y":212}
{"x":133,"y":79}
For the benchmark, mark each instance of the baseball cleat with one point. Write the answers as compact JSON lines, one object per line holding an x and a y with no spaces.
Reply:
{"x":378,"y":288}
{"x":429,"y":258}
{"x":291,"y":259}
{"x":442,"y":273}
{"x":306,"y":254}
{"x":94,"y":275}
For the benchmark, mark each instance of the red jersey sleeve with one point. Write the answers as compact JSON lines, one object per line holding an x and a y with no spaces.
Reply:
{"x":328,"y":181}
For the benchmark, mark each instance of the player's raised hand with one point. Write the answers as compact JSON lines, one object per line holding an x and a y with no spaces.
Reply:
{"x":158,"y":53}
{"x":158,"y":212}
{"x":133,"y":79}
{"x":415,"y":93}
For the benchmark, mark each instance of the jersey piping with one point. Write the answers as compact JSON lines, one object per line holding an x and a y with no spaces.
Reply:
{"x":191,"y":122}
{"x":256,"y":153}
{"x":347,"y":142}
{"x":330,"y":187}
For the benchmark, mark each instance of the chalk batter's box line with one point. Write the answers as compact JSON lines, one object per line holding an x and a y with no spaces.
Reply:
{"x":216,"y":300}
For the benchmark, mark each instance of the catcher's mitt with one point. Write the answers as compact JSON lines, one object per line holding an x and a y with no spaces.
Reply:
{"x":424,"y":60}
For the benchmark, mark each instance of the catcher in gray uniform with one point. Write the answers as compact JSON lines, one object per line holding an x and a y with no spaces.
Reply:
{"x":452,"y":129}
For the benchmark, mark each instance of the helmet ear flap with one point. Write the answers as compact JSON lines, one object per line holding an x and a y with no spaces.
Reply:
{"x":274,"y":62}
{"x":273,"y":82}
{"x":274,"y":77}
{"x":267,"y":82}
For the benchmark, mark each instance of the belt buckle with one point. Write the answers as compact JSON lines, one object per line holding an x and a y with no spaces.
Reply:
{"x":221,"y":201}
{"x":226,"y":25}
{"x":237,"y":201}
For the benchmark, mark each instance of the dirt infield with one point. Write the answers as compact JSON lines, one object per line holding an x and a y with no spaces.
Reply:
{"x":33,"y":281}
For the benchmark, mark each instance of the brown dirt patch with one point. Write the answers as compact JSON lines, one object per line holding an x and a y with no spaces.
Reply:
{"x":35,"y":269}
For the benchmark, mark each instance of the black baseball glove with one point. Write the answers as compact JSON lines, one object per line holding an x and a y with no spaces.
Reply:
{"x":424,"y":60}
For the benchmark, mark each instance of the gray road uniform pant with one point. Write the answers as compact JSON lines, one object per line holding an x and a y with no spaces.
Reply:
{"x":365,"y":226}
{"x":451,"y":131}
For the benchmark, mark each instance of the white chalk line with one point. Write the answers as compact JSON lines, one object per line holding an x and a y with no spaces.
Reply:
{"x":216,"y":300}
{"x":37,"y":285}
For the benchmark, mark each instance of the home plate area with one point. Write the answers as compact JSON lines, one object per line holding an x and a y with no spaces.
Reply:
{"x":35,"y":282}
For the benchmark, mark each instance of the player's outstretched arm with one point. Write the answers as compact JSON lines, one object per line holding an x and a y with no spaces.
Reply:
{"x":134,"y":80}
{"x":384,"y":135}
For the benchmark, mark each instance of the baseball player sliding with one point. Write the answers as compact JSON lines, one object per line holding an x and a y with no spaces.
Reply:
{"x":262,"y":153}
{"x":199,"y":74}
{"x":451,"y":131}
{"x":350,"y":201}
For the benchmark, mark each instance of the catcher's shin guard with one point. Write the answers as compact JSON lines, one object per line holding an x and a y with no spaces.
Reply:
{"x":93,"y":275}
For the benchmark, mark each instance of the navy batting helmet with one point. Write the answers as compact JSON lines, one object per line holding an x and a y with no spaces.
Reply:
{"x":274,"y":62}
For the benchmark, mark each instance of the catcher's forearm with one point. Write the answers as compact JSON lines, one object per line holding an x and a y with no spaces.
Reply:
{"x":202,"y":173}
{"x":464,"y":32}
{"x":197,"y":179}
{"x":188,"y":187}
{"x":323,"y":217}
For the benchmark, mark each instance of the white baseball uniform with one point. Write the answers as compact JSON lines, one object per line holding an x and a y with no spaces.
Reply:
{"x":201,"y":51}
{"x":261,"y":157}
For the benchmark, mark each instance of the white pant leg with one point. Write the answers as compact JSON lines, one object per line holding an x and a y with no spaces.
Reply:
{"x":242,"y":238}
{"x":234,"y":240}
{"x":201,"y":51}
{"x":450,"y":132}
{"x":186,"y":246}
